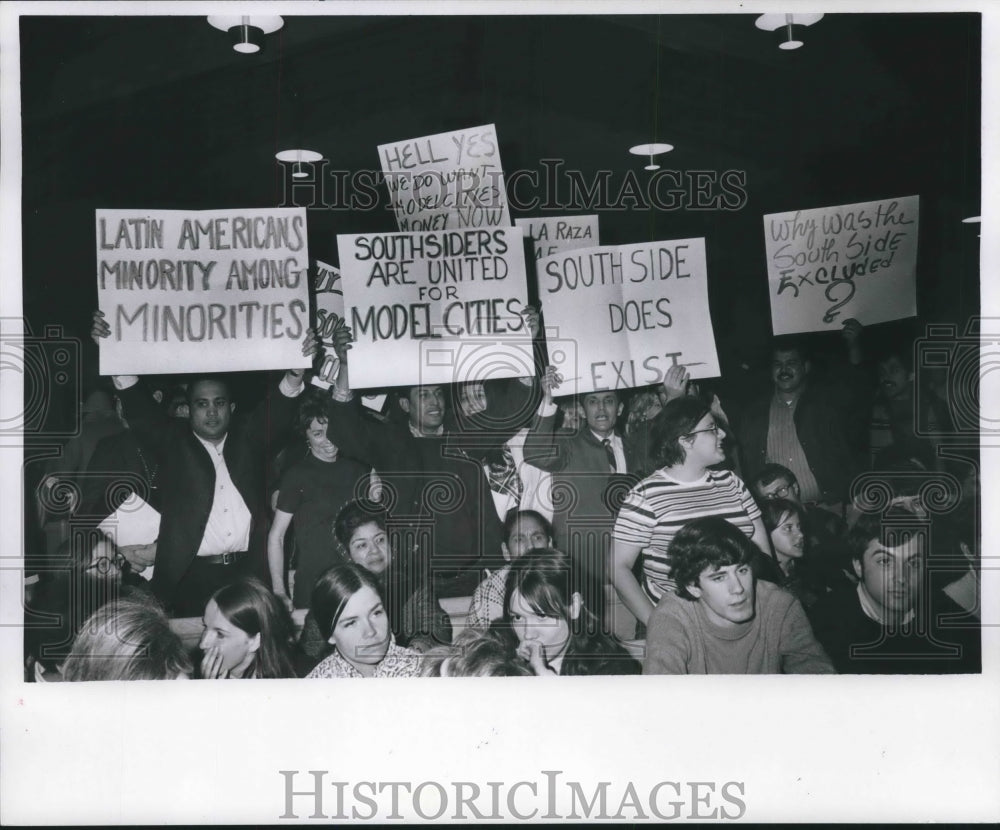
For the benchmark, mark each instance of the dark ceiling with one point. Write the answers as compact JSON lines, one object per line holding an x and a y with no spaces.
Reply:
{"x":160,"y":112}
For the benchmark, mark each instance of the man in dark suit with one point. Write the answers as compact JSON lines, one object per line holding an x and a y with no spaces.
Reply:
{"x":212,"y":481}
{"x":592,"y":470}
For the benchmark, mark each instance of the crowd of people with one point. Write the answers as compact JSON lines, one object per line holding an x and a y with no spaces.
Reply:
{"x":497,"y":528}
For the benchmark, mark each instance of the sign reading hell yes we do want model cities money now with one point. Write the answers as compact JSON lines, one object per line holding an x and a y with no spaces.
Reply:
{"x":627,"y":313}
{"x":446,"y":181}
{"x":437,"y":307}
{"x":829,"y":264}
{"x":202,"y":291}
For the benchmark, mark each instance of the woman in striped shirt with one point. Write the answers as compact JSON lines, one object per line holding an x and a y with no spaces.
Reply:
{"x":687,"y":443}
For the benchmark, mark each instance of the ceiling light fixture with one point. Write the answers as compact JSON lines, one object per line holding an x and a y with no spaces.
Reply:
{"x":247,"y":31}
{"x":651,"y":150}
{"x":968,"y":220}
{"x":296,"y":157}
{"x":790,"y":27}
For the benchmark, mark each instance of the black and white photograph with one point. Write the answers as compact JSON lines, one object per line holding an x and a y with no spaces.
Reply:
{"x":574,"y":372}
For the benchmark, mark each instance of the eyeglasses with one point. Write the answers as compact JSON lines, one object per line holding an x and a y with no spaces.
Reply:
{"x":713,"y":429}
{"x":780,"y":493}
{"x":103,"y":565}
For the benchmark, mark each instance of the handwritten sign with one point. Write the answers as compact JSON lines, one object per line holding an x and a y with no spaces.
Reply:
{"x":555,"y":234}
{"x":624,"y":315}
{"x":446,"y":181}
{"x":829,"y":264}
{"x":329,"y":308}
{"x":202,"y":291}
{"x":437,"y":307}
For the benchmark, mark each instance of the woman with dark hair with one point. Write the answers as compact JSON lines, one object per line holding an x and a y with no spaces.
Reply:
{"x":248,"y":633}
{"x":347,"y":604}
{"x":309,"y":495}
{"x":556,"y":633}
{"x":687,"y":444}
{"x":127,"y":640}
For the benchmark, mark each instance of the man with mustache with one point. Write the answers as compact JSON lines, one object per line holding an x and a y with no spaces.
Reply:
{"x":814,"y":428}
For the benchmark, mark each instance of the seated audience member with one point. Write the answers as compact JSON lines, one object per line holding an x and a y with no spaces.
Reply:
{"x":310,"y":495}
{"x":127,"y":640}
{"x":892,"y":622}
{"x":523,"y":530}
{"x":556,"y":634}
{"x":363,"y":532}
{"x":824,"y":531}
{"x":212,"y":479}
{"x":721,"y":620}
{"x":475,"y":653}
{"x":813,"y":426}
{"x":348,"y":606}
{"x":89,"y":572}
{"x":687,"y":444}
{"x":248,"y":633}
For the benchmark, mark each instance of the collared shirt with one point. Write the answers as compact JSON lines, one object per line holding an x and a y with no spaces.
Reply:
{"x":617,"y":447}
{"x":228,"y":528}
{"x":871,"y":609}
{"x":783,"y":447}
{"x":398,"y":662}
{"x":416,"y":433}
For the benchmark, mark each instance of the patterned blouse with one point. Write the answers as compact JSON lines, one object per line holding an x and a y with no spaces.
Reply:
{"x":398,"y":662}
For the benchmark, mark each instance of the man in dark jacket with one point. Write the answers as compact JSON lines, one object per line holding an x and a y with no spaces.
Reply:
{"x":813,"y":428}
{"x":212,"y":481}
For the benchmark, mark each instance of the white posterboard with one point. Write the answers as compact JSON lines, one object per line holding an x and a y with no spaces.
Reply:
{"x":446,"y":181}
{"x":329,"y":308}
{"x":433,"y":308}
{"x":623,"y":315}
{"x":829,"y":264}
{"x":202,"y":291}
{"x":555,"y":234}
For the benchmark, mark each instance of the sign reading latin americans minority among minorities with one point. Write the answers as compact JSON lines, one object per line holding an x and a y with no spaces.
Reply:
{"x":437,"y":307}
{"x":446,"y":181}
{"x":554,"y":234}
{"x":625,"y":314}
{"x":202,"y":291}
{"x":829,"y":264}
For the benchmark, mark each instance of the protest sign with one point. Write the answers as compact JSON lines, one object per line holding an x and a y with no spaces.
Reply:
{"x":329,"y":308}
{"x":829,"y":264}
{"x":555,"y":234}
{"x":202,"y":291}
{"x":623,"y":315}
{"x":438,"y":307}
{"x":446,"y":181}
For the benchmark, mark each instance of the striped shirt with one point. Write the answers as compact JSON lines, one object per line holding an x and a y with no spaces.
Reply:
{"x":659,"y":506}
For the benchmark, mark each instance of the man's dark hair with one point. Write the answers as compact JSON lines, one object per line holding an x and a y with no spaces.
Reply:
{"x":769,"y":474}
{"x":671,"y":423}
{"x":877,"y":526}
{"x":709,"y":542}
{"x":220,"y":379}
{"x":790,"y":343}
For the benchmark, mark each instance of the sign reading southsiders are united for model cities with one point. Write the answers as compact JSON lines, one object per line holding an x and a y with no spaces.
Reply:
{"x":202,"y":291}
{"x":438,"y":307}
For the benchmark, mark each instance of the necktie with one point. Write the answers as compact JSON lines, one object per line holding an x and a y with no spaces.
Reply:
{"x":610,"y":453}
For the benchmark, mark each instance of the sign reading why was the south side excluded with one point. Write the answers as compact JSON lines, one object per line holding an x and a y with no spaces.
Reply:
{"x":446,"y":181}
{"x":554,"y":234}
{"x":623,"y":315}
{"x":437,"y":307}
{"x":827,"y":265}
{"x":202,"y":291}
